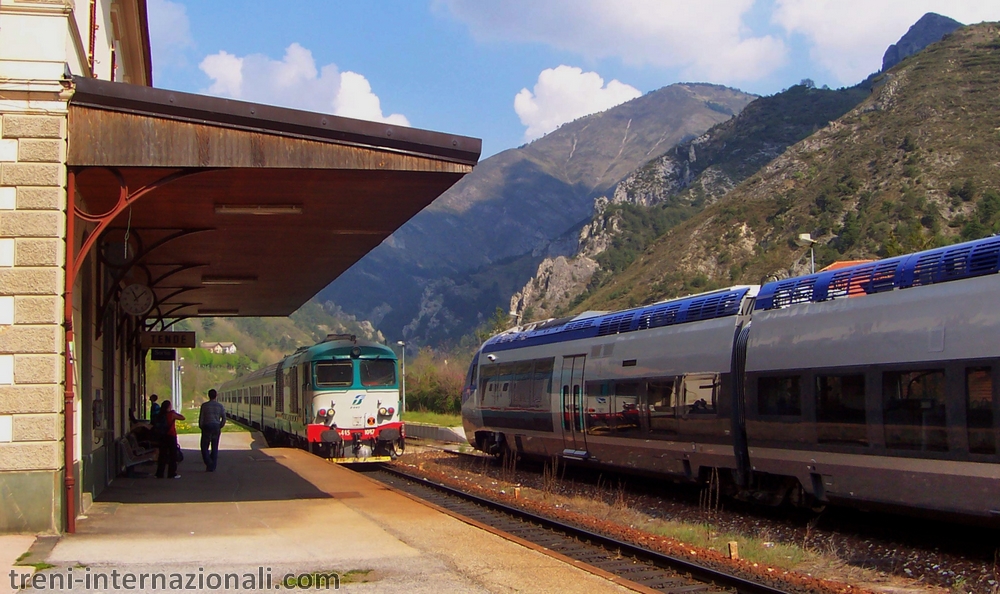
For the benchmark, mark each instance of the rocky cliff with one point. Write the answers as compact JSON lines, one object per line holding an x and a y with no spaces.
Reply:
{"x":482,"y":240}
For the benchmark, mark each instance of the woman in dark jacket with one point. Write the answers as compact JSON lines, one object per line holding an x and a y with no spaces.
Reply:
{"x":165,"y":425}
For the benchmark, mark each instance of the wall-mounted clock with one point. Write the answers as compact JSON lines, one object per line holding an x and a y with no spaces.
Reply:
{"x":137,"y":299}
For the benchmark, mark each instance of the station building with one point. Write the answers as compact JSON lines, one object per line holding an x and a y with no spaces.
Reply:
{"x":124,"y":208}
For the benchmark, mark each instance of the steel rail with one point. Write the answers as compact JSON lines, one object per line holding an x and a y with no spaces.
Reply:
{"x":697,"y":571}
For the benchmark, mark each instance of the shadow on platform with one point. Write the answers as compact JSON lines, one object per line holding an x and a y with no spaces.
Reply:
{"x":246,"y":471}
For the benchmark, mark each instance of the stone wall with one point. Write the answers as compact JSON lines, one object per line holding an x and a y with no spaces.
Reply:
{"x":32,"y":254}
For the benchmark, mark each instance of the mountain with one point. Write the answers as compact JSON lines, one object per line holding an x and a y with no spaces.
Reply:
{"x":676,"y":185}
{"x":930,"y":28}
{"x":912,"y":167}
{"x":681,"y":183}
{"x":456,"y":261}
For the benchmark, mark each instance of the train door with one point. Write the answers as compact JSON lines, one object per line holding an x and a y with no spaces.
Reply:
{"x":571,"y":404}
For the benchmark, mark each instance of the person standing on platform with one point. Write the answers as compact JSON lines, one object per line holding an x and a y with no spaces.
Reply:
{"x":154,"y":407}
{"x":211,"y":420}
{"x":165,"y":427}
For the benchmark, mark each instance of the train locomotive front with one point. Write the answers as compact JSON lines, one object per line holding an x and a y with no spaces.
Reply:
{"x":353,"y":391}
{"x":338,"y":399}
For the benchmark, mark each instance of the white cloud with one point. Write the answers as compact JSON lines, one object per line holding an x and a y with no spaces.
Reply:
{"x":565,"y":93}
{"x":294,"y":81}
{"x":848,"y":37}
{"x":707,"y":40}
{"x":169,"y":32}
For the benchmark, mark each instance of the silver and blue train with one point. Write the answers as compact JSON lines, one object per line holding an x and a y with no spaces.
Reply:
{"x":873,"y":386}
{"x":338,"y":399}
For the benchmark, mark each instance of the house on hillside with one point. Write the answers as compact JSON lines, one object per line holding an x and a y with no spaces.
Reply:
{"x":220,"y":348}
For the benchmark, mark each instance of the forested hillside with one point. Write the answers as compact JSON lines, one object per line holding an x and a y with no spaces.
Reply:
{"x":912,"y":167}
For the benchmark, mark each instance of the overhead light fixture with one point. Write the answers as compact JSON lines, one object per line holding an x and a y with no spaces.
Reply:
{"x":258,"y":209}
{"x":218,"y":312}
{"x":227,"y":280}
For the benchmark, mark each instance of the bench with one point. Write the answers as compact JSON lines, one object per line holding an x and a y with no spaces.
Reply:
{"x":133,"y":455}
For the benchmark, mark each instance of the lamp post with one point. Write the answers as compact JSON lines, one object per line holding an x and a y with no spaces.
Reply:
{"x":402,"y":373}
{"x":180,"y":386}
{"x":804,"y":240}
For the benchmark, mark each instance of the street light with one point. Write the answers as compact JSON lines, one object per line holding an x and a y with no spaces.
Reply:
{"x":805,"y":239}
{"x":402,"y":373}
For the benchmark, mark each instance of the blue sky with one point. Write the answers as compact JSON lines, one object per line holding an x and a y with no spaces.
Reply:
{"x":508,"y":71}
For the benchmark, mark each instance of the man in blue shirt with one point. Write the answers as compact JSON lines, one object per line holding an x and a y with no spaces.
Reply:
{"x":211,"y":420}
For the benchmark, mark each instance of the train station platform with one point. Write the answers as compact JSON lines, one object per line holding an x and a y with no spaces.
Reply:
{"x":282,"y":512}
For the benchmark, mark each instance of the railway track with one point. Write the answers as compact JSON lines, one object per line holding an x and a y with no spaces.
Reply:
{"x":650,"y":569}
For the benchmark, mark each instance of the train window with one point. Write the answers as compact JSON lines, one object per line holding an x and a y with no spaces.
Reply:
{"x":520,"y":392}
{"x":488,"y":382}
{"x":914,"y":409}
{"x":335,"y":373}
{"x":840,"y":409}
{"x":542,"y":382}
{"x":378,"y":372}
{"x":979,"y":399}
{"x":699,"y":392}
{"x":279,"y":390}
{"x":597,"y":407}
{"x":504,"y":381}
{"x":567,"y":406}
{"x":779,"y":396}
{"x":660,"y":406}
{"x":293,"y":388}
{"x":626,"y":407}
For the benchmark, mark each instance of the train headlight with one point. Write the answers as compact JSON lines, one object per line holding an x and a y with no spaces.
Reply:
{"x":392,"y":411}
{"x":322,"y":412}
{"x":383,"y":411}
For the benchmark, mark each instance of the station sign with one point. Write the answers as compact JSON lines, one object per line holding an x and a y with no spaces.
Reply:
{"x":163,"y":354}
{"x":167,"y":340}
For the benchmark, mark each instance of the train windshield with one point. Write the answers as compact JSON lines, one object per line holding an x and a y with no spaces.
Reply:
{"x":378,"y":372}
{"x":334,"y":373}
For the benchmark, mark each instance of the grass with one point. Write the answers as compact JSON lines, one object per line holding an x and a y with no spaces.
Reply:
{"x":190,"y":425}
{"x":432,"y":418}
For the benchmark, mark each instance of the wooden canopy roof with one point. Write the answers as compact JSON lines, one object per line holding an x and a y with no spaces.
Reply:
{"x":231,"y":208}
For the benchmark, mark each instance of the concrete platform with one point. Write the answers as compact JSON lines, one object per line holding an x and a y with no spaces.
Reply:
{"x":273,"y":512}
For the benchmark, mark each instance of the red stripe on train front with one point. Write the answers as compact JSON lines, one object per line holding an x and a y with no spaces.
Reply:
{"x":315,"y":431}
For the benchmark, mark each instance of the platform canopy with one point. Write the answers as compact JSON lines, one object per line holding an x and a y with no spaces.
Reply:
{"x":225,"y":207}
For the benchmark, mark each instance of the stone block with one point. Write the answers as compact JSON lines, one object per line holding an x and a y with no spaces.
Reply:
{"x":31,"y":174}
{"x":42,"y":151}
{"x":8,"y":150}
{"x":31,"y":281}
{"x":37,"y":427}
{"x":30,"y":339}
{"x":30,"y":399}
{"x":37,"y":369}
{"x":39,"y":252}
{"x":27,"y":223}
{"x":8,"y":198}
{"x":42,"y":455}
{"x":31,"y":198}
{"x":37,"y":310}
{"x":7,"y":249}
{"x":31,"y":502}
{"x":33,"y":126}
